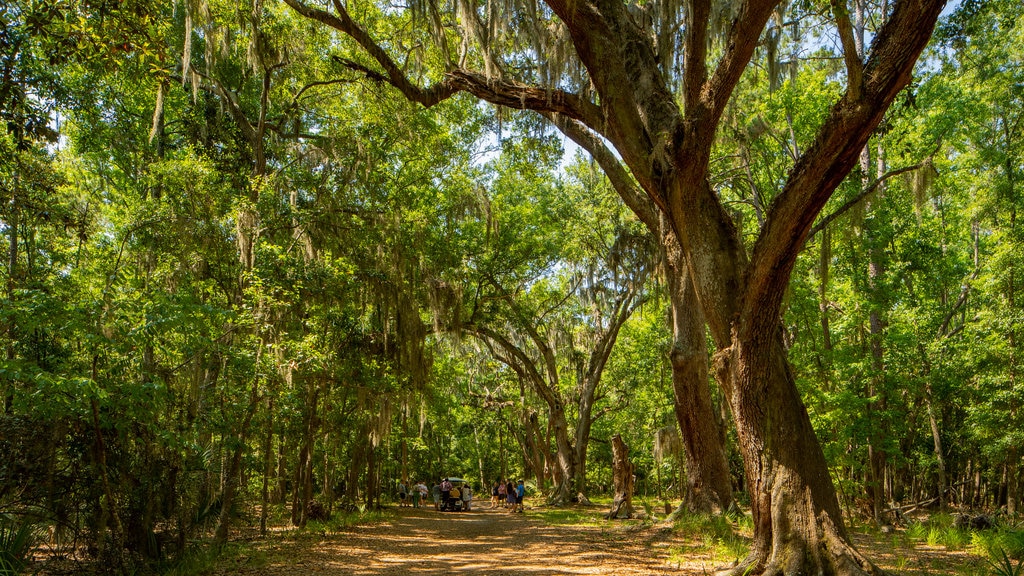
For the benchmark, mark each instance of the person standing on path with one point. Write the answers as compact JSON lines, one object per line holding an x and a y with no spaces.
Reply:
{"x":415,"y":493}
{"x":446,"y":494}
{"x":510,"y":494}
{"x":467,"y":496}
{"x":436,"y":491}
{"x":494,"y":494}
{"x":421,"y":487}
{"x":502,"y":492}
{"x":520,"y":493}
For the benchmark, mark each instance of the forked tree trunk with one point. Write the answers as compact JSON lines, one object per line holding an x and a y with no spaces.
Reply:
{"x":622,"y":476}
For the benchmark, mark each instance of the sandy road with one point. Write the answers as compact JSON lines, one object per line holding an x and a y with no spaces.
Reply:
{"x":484,"y":541}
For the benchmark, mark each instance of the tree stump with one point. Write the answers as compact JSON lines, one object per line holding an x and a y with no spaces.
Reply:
{"x":622,"y":475}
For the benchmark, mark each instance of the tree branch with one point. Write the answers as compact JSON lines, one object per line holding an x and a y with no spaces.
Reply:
{"x":743,"y":39}
{"x":631,"y":194}
{"x":393,"y":73}
{"x":496,"y":91}
{"x":854,"y":67}
{"x":695,"y":70}
{"x":834,"y":151}
{"x":868,"y":191}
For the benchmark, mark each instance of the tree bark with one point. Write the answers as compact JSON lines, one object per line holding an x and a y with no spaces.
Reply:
{"x":622,"y":476}
{"x":268,"y":465}
{"x":709,"y":486}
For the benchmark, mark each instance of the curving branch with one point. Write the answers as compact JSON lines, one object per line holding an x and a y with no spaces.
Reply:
{"x":865,"y":193}
{"x":496,"y":91}
{"x":617,"y":174}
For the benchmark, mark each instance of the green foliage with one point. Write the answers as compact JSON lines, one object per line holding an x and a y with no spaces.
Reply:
{"x":136,"y":322}
{"x":342,"y":520}
{"x":1004,"y":566}
{"x":712,"y":533}
{"x":16,"y":542}
{"x":570,"y":516}
{"x":200,"y":559}
{"x":999,"y":542}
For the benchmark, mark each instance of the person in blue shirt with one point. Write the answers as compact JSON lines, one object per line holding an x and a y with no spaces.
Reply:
{"x":520,"y":492}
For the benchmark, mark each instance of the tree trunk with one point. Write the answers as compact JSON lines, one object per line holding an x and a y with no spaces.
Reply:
{"x":227,"y":499}
{"x":12,"y":273}
{"x":940,"y":457}
{"x":584,"y":424}
{"x":268,"y":465}
{"x":565,"y":455}
{"x":281,"y":490}
{"x":797,"y":522}
{"x":875,"y":392}
{"x":709,"y":487}
{"x":622,"y":476}
{"x":542,"y":453}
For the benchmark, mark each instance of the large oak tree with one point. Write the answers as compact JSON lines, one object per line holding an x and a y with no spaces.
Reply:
{"x":606,"y":78}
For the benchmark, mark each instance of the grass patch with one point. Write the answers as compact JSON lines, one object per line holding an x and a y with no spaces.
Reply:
{"x":718,"y":536}
{"x":341,"y":521}
{"x":999,"y":542}
{"x":938,"y":530}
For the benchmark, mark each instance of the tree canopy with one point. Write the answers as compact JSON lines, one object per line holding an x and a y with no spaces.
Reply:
{"x":275,"y":257}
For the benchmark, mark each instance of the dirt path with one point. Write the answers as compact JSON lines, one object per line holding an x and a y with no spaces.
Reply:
{"x":484,"y":541}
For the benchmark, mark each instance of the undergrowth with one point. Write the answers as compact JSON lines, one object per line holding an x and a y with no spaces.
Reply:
{"x":206,"y":559}
{"x":341,"y":520}
{"x":16,"y":541}
{"x":575,"y":516}
{"x":1002,"y":547}
{"x":715,"y":534}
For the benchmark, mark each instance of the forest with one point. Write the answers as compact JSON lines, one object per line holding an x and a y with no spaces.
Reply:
{"x":266,"y":261}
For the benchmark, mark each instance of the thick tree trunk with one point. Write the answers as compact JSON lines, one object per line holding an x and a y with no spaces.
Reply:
{"x":709,"y":487}
{"x":622,"y":476}
{"x":584,"y":424}
{"x":565,"y":455}
{"x":797,"y":522}
{"x":542,"y":454}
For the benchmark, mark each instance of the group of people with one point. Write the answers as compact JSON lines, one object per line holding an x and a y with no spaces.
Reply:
{"x":508,"y":495}
{"x":413,"y":496}
{"x":454,"y":496}
{"x":446,"y":495}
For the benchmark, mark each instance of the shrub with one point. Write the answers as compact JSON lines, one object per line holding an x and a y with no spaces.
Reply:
{"x":16,"y":541}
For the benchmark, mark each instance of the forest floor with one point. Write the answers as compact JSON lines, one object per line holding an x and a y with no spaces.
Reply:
{"x":494,"y":542}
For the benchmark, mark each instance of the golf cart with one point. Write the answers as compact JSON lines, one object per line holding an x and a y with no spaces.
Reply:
{"x":455,"y":504}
